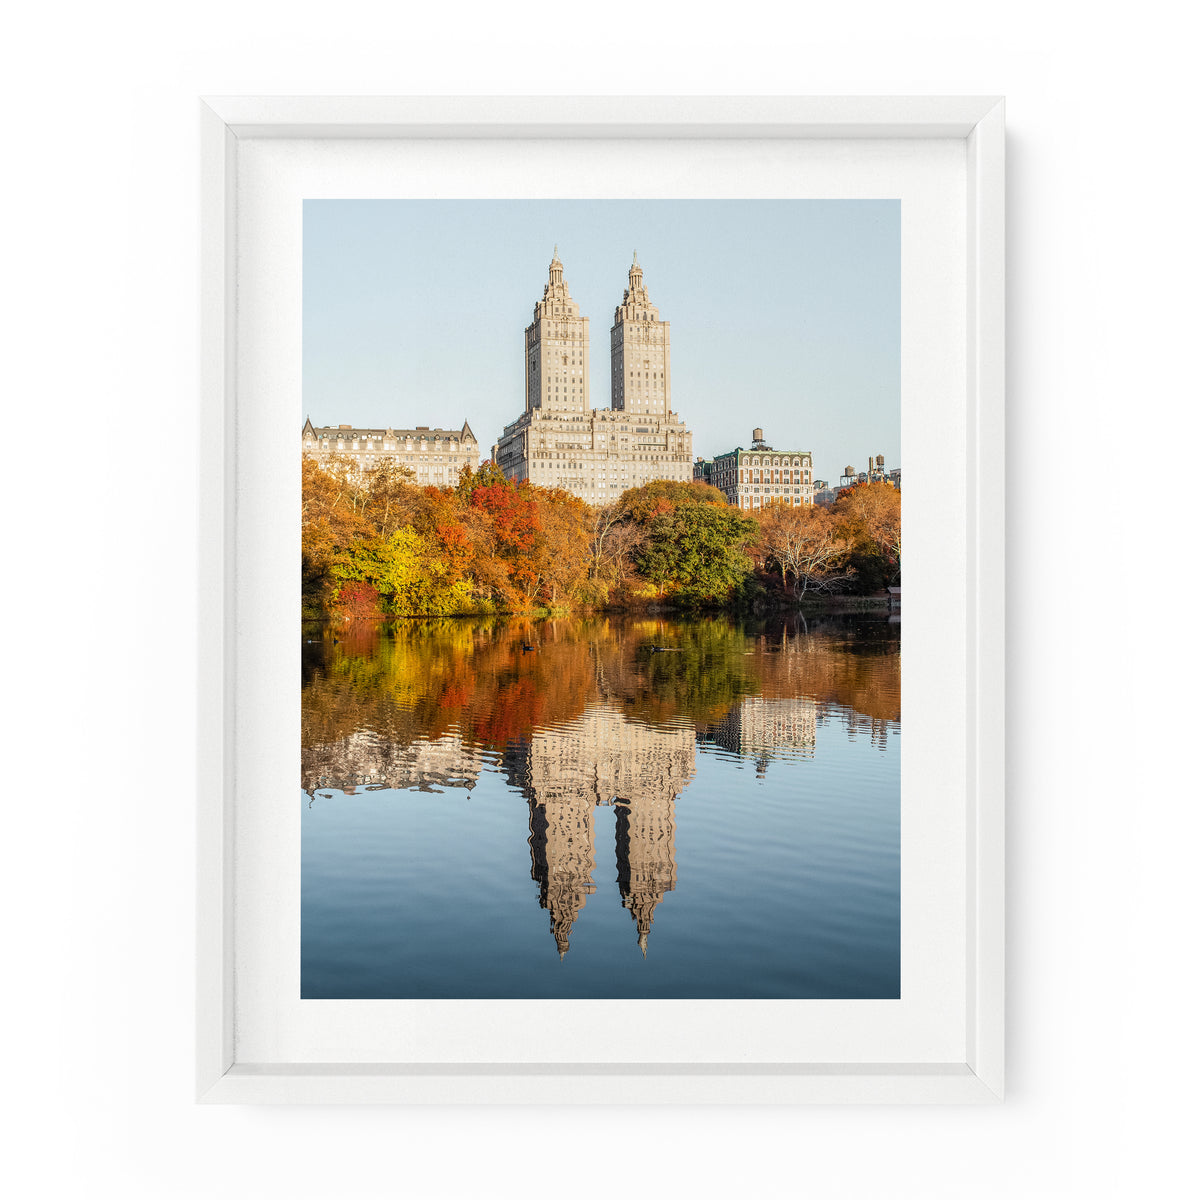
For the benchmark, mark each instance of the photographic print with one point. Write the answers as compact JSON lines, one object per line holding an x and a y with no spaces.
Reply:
{"x":601,"y":627}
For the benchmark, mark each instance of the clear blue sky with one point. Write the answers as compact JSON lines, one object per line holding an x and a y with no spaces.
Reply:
{"x":784,"y":313}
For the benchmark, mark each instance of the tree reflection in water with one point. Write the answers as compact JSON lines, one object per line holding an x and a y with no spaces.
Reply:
{"x":582,"y":714}
{"x":491,"y":682}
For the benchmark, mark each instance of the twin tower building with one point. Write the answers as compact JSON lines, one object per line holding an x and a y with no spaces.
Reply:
{"x":560,"y":440}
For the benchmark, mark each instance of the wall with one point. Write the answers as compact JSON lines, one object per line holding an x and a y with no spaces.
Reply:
{"x":100,"y":213}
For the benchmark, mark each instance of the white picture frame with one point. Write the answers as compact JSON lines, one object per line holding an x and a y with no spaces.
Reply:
{"x":976,"y":125}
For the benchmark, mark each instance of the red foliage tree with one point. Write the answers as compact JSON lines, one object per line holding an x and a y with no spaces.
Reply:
{"x":513,"y":525}
{"x":358,"y":600}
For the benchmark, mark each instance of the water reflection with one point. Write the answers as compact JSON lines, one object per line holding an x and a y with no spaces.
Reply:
{"x":585,"y":716}
{"x":602,"y":758}
{"x":491,"y":683}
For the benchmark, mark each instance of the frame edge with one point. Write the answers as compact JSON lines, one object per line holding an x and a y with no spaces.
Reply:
{"x":986,"y":531}
{"x":977,"y":120}
{"x":215,"y":725}
{"x":601,"y":116}
{"x":588,"y":1084}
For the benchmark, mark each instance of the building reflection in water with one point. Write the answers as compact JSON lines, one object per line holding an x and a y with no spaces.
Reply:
{"x":429,"y":708}
{"x":761,"y":727}
{"x":369,"y":760}
{"x":565,"y":772}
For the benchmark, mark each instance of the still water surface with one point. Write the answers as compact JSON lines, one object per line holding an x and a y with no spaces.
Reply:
{"x":609,"y":807}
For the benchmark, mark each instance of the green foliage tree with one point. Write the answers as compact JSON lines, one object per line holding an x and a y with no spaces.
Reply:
{"x":697,"y":553}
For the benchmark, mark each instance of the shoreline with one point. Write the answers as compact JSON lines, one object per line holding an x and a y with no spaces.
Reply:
{"x":757,"y":608}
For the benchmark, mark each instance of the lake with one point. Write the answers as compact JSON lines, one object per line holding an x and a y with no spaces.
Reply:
{"x":616,"y":806}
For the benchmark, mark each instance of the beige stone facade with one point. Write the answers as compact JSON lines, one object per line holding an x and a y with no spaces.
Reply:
{"x":604,"y":759}
{"x":560,"y":440}
{"x":640,"y":352}
{"x":436,"y":457}
{"x":759,"y":476}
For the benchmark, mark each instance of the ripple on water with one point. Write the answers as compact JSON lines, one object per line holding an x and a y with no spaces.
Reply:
{"x":492,"y":826}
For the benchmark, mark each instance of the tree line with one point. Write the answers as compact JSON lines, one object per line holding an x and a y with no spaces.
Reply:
{"x":375,"y":544}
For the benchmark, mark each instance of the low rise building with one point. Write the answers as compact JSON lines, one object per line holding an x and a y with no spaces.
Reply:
{"x":436,"y":457}
{"x":759,"y":476}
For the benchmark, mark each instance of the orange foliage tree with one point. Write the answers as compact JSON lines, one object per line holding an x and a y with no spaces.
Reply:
{"x":805,"y":543}
{"x":489,"y":544}
{"x":868,"y":517}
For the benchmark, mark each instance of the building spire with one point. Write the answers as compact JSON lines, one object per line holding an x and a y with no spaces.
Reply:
{"x":556,"y":275}
{"x":635,"y":293}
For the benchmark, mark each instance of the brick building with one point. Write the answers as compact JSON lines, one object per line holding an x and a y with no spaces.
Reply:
{"x":755,"y":477}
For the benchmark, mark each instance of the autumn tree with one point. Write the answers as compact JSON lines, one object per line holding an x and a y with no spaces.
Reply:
{"x":348,"y":519}
{"x":868,"y":517}
{"x":643,"y":503}
{"x":331,"y":521}
{"x":805,"y":543}
{"x":614,"y":540}
{"x":507,"y":536}
{"x":487,"y":474}
{"x":451,"y":532}
{"x":562,"y":549}
{"x":390,"y":498}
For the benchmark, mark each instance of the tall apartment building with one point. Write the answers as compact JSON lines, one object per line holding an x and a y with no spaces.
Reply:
{"x":560,"y":440}
{"x":759,"y":476}
{"x":436,"y":456}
